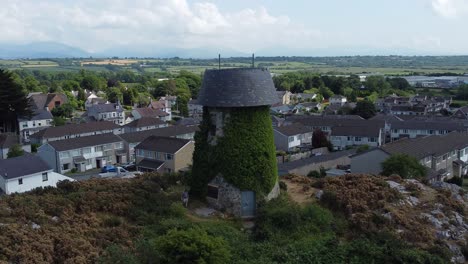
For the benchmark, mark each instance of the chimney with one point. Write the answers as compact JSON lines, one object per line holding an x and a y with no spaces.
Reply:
{"x":46,"y":108}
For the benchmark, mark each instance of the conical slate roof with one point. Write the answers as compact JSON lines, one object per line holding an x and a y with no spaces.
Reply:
{"x":240,"y":87}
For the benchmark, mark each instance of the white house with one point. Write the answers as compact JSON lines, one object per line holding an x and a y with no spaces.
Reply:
{"x":107,"y":112}
{"x":15,"y":177}
{"x":338,"y":100}
{"x":344,"y":136}
{"x":291,"y":137}
{"x":40,"y":119}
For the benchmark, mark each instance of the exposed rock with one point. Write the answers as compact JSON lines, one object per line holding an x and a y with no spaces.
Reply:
{"x":35,"y":226}
{"x":446,"y":186}
{"x":417,"y":183}
{"x":458,"y":218}
{"x":457,"y":255}
{"x":397,"y":186}
{"x":412,"y":200}
{"x":319,"y":194}
{"x":55,"y":218}
{"x":436,"y":222}
{"x":443,"y":234}
{"x":387,"y":216}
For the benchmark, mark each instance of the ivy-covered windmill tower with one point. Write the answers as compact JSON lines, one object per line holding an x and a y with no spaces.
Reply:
{"x":234,"y":163}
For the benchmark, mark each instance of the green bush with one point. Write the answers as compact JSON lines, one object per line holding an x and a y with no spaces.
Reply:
{"x":191,"y":246}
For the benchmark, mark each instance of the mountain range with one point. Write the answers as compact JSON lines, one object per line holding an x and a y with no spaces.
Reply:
{"x":37,"y":50}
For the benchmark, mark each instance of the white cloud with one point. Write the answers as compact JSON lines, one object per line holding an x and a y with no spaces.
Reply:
{"x":97,"y":25}
{"x":450,"y":8}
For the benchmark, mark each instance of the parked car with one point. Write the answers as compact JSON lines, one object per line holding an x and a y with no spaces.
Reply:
{"x":129,"y":166}
{"x":108,"y":168}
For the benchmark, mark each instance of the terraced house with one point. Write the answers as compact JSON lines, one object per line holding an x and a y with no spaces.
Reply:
{"x":164,"y":154}
{"x":83,"y":153}
{"x":445,"y":156}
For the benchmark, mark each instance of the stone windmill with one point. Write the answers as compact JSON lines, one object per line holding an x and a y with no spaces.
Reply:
{"x":234,"y":160}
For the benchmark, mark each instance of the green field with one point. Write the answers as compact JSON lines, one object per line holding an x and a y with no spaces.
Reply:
{"x":322,"y":65}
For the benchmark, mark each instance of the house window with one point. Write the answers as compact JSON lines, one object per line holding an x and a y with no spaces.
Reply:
{"x":66,"y":166}
{"x":169,"y":156}
{"x":444,"y":157}
{"x":168,"y":170}
{"x":358,"y":139}
{"x":431,"y":132}
{"x":86,"y":150}
{"x":113,"y":114}
{"x":349,"y":138}
{"x":290,"y":139}
{"x":45,"y":177}
{"x":25,"y":124}
{"x":64,"y":154}
{"x":213,"y":191}
{"x":89,"y":162}
{"x":395,"y":130}
{"x":405,"y":131}
{"x":119,"y":145}
{"x":76,"y":152}
{"x":98,"y":148}
{"x":373,"y":139}
{"x":20,"y":181}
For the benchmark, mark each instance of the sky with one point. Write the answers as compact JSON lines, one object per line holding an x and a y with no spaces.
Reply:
{"x":266,"y":27}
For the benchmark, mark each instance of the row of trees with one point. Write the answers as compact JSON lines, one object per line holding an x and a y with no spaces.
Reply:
{"x":349,"y":86}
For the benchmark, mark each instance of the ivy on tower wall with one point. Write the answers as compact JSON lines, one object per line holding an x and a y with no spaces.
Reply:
{"x":244,"y":156}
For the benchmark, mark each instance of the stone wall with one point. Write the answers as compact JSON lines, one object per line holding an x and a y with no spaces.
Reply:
{"x":229,"y":197}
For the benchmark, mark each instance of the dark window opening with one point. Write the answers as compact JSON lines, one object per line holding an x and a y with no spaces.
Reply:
{"x":213,"y":191}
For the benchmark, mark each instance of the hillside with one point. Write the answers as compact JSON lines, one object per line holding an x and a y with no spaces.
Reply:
{"x":358,"y":219}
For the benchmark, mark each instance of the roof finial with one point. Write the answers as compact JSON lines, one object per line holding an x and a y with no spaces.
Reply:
{"x":219,"y":61}
{"x":253,"y":60}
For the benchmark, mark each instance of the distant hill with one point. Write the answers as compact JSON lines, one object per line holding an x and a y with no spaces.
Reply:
{"x":40,"y":50}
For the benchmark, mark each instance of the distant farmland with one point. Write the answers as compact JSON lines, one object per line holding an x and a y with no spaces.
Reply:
{"x":116,"y":62}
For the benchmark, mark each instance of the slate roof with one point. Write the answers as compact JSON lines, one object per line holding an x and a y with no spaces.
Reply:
{"x":356,"y":131}
{"x":8,"y":140}
{"x":82,"y":142}
{"x":162,"y":144}
{"x":150,"y":112}
{"x":15,"y":167}
{"x":157,"y":105}
{"x":428,"y":146}
{"x":240,"y":87}
{"x":171,"y":131}
{"x":72,"y":129}
{"x":38,"y":114}
{"x":105,"y":108}
{"x":150,"y":164}
{"x":337,"y":120}
{"x":433,"y":125}
{"x":41,"y":100}
{"x":293,"y":129}
{"x":145,"y":121}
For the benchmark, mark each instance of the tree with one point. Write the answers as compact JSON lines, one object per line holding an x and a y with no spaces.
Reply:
{"x":406,"y":166}
{"x":13,"y":101}
{"x":15,"y":151}
{"x":462,"y":92}
{"x":319,"y":140}
{"x":325,"y":92}
{"x":58,"y":121}
{"x":192,"y":246}
{"x":65,"y":110}
{"x":114,"y":94}
{"x":365,"y":109}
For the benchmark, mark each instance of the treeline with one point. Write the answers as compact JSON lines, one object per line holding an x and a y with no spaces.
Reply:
{"x":349,"y":86}
{"x":128,"y":87}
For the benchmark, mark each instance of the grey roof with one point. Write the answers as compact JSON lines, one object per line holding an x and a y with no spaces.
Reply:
{"x":145,"y":121}
{"x":73,"y":129}
{"x":15,"y":167}
{"x":150,"y":164}
{"x":82,"y":142}
{"x":356,"y":131}
{"x":284,"y":168}
{"x":162,"y":144}
{"x":337,"y":120}
{"x":433,"y":125}
{"x":8,"y":140}
{"x":38,"y":114}
{"x":293,"y":129}
{"x":428,"y":146}
{"x":171,"y":131}
{"x":239,"y":87}
{"x":41,"y":100}
{"x":105,"y":108}
{"x":150,"y":112}
{"x":387,"y":118}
